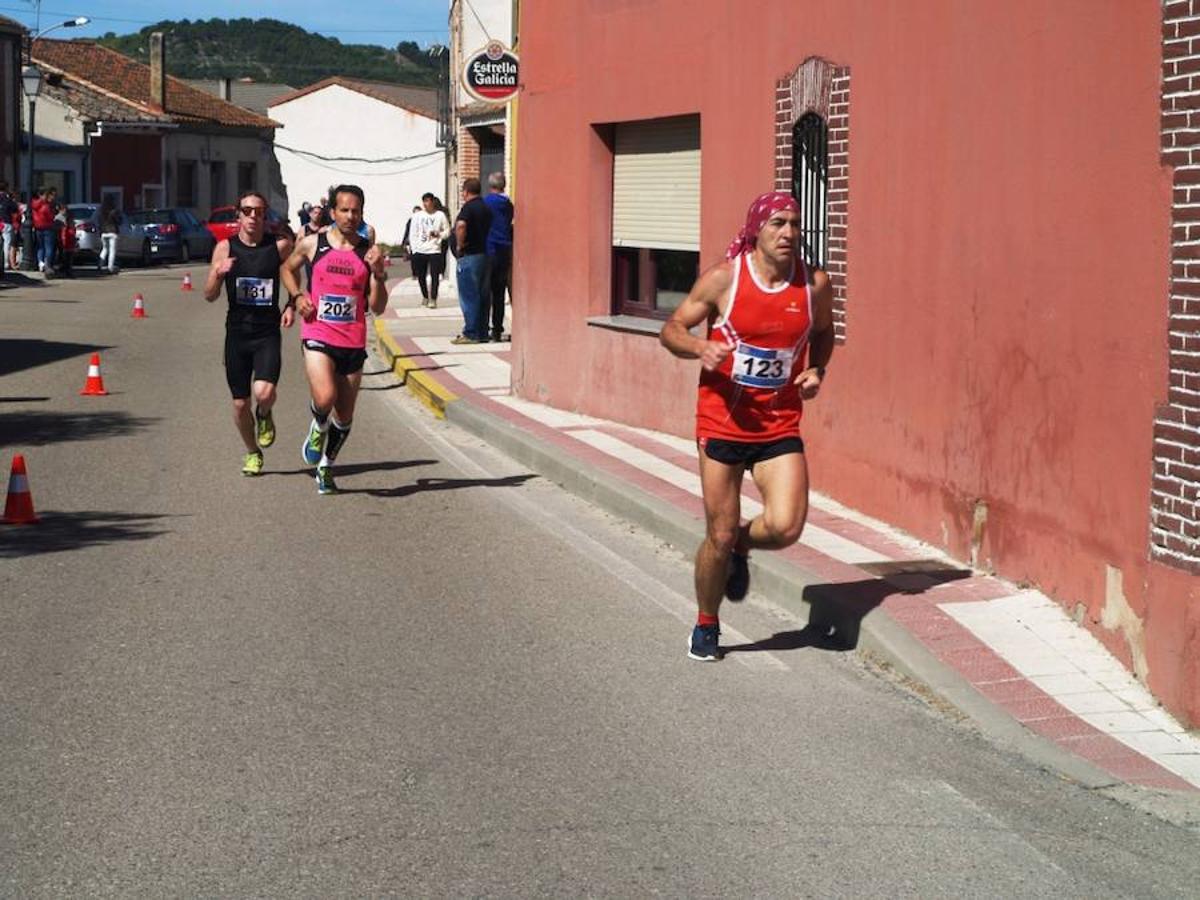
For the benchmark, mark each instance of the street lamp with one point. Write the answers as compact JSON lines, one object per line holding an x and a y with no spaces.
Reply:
{"x":31,"y":83}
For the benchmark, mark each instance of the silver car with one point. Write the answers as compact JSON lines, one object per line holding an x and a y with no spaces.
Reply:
{"x":132,"y":243}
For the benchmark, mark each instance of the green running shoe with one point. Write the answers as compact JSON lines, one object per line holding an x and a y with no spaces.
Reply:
{"x":314,"y":444}
{"x":252,"y":463}
{"x":266,"y":429}
{"x":325,"y":483}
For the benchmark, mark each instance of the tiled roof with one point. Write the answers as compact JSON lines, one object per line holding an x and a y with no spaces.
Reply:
{"x":421,"y":100}
{"x":99,"y":107}
{"x":123,"y":79}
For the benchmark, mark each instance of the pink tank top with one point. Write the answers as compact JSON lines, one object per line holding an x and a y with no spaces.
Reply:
{"x":338,"y":288}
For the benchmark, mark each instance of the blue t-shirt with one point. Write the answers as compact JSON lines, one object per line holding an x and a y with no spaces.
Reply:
{"x":500,"y":234}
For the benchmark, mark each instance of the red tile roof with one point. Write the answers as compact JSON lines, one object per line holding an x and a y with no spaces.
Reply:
{"x":115,"y":74}
{"x":421,"y":100}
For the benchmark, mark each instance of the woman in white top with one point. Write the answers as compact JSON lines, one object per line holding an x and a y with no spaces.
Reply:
{"x":427,"y":229}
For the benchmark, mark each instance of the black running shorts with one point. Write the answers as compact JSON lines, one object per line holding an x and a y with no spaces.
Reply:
{"x":346,"y":360}
{"x":251,"y":357}
{"x":741,"y":453}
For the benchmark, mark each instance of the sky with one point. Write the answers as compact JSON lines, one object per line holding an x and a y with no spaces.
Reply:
{"x":385,"y":22}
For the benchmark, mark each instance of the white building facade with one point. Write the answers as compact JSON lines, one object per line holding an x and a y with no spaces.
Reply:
{"x":381,"y":137}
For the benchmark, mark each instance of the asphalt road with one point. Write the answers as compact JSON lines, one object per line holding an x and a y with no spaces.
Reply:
{"x":451,"y":680}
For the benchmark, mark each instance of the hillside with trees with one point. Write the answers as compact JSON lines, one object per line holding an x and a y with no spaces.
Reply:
{"x":270,"y":50}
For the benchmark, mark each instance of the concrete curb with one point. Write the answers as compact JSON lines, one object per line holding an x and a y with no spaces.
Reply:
{"x":422,"y":386}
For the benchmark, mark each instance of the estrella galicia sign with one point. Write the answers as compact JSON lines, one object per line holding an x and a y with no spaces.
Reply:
{"x":491,"y":74}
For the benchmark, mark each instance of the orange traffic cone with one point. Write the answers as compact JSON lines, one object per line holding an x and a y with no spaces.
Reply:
{"x":18,"y":509}
{"x":95,"y":382}
{"x":187,"y":282}
{"x":139,"y":307}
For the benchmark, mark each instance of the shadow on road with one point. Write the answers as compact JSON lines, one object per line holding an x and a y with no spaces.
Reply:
{"x":33,"y":429}
{"x":26,"y":353}
{"x":359,"y":468}
{"x":837,"y":611}
{"x":57,"y":532}
{"x":23,"y":399}
{"x":439,"y":484}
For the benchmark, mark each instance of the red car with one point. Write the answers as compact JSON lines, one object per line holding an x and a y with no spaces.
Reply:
{"x":222,"y":223}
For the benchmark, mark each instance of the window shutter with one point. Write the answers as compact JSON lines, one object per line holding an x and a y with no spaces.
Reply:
{"x":656,"y":184}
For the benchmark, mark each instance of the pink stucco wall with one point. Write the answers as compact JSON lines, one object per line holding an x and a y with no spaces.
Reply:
{"x":1009,"y":236}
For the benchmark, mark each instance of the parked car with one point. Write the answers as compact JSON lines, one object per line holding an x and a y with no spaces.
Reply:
{"x":222,"y":222}
{"x":174,"y":233}
{"x":131,"y":240}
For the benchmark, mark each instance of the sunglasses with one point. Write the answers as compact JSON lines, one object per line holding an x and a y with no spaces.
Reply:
{"x":254,"y":211}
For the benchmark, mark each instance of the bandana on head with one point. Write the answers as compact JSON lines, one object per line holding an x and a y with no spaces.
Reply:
{"x":763,"y":207}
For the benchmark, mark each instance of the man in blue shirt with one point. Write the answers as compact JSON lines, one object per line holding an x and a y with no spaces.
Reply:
{"x":499,"y":252}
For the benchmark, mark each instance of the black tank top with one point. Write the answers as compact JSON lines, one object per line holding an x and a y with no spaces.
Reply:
{"x":252,"y":285}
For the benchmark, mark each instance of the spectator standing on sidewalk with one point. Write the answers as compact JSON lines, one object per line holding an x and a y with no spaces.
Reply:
{"x":110,"y":225}
{"x":470,"y":247}
{"x":499,"y":253}
{"x":8,"y":211}
{"x":770,"y":336}
{"x":42,"y":211}
{"x":428,"y":228}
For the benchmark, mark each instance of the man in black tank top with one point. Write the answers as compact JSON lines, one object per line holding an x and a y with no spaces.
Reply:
{"x":247,"y":265}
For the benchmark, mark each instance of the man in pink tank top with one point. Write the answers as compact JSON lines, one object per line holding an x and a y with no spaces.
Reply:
{"x":770,"y":336}
{"x":347,"y":276}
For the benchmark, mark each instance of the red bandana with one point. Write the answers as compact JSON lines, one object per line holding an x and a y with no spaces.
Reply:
{"x":765,"y":206}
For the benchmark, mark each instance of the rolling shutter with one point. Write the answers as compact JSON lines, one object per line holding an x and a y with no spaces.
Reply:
{"x":656,"y":184}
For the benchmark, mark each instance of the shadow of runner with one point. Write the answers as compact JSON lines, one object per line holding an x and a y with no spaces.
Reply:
{"x":26,"y":353}
{"x":439,"y":484}
{"x":58,"y":531}
{"x":837,"y":610}
{"x":358,"y":468}
{"x":34,"y":429}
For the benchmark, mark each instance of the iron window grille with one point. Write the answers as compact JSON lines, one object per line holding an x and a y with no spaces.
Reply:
{"x":810,"y":185}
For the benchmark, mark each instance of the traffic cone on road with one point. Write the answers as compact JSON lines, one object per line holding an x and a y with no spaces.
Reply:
{"x":18,"y":508}
{"x":187,"y":282}
{"x":139,"y":307}
{"x":95,"y":381}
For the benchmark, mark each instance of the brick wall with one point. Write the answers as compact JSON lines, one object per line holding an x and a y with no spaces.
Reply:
{"x":1175,"y":496}
{"x":819,"y":86}
{"x":468,"y":155}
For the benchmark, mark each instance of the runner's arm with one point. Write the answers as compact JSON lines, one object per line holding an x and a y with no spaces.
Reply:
{"x":289,"y":275}
{"x":377,"y":298}
{"x":288,"y":316}
{"x":222,"y":262}
{"x":703,"y":303}
{"x":820,"y":341}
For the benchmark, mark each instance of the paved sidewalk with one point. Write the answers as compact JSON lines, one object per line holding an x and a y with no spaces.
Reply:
{"x":1010,"y":658}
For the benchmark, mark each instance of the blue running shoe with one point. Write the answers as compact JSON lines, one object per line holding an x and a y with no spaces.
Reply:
{"x":705,"y":643}
{"x":737,"y":585}
{"x":314,"y":444}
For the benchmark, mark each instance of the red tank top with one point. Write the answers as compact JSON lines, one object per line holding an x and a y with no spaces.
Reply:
{"x":751,"y":396}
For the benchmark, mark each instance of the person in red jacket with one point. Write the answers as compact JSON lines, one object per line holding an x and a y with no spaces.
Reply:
{"x":42,"y":210}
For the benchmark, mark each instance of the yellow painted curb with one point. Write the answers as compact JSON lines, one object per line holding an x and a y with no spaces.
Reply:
{"x":424,"y":388}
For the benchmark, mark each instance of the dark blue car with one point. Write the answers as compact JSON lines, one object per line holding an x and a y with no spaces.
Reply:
{"x":174,"y":234}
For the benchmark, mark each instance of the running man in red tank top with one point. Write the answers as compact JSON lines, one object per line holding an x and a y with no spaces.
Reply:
{"x":770,"y":336}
